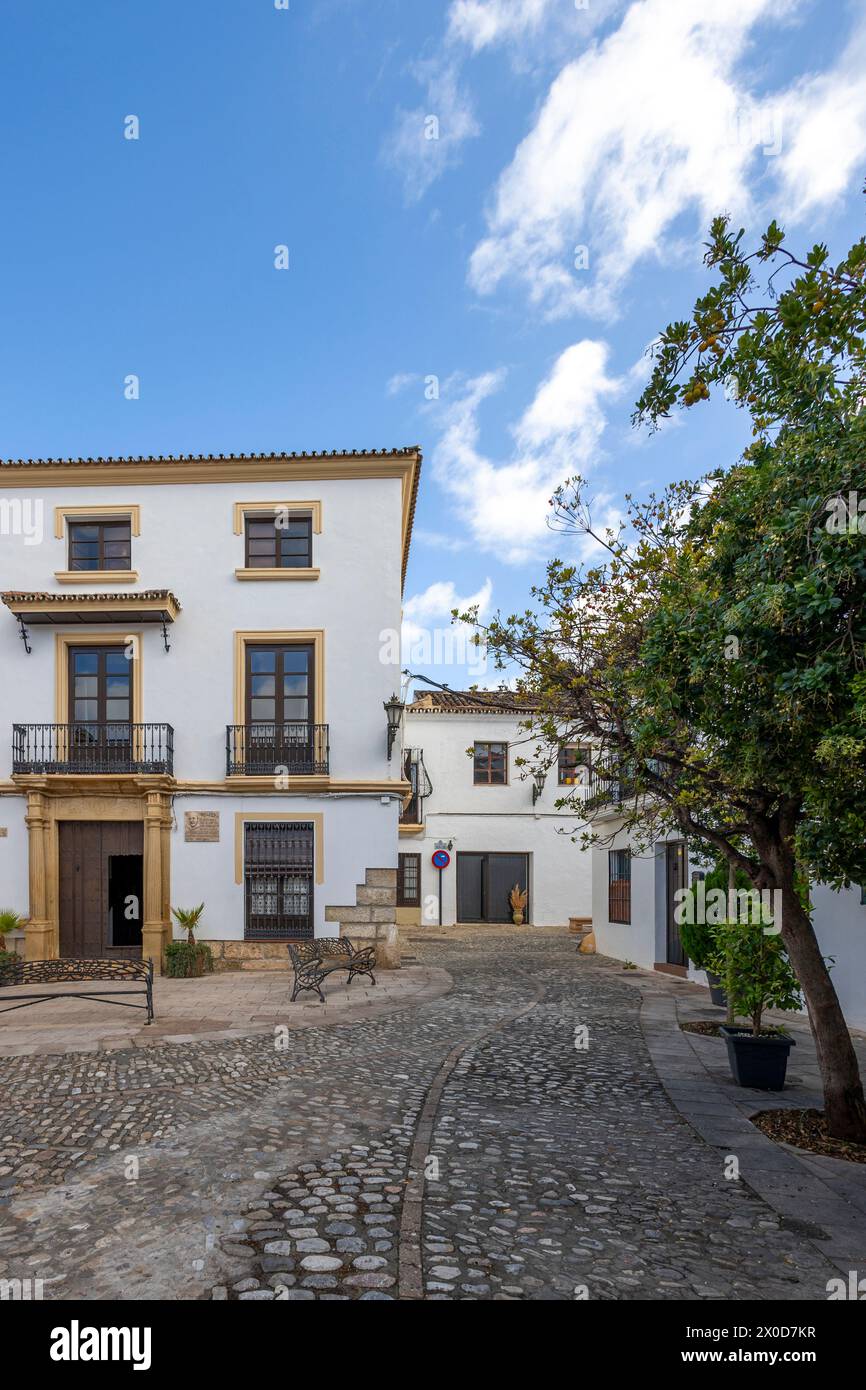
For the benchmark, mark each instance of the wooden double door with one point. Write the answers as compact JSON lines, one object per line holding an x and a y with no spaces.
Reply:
{"x":101,"y":889}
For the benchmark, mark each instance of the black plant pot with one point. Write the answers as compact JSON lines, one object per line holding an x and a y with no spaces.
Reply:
{"x":759,"y":1063}
{"x":717,"y":994}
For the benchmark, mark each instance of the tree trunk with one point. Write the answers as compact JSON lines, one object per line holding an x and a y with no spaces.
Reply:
{"x":844,"y":1102}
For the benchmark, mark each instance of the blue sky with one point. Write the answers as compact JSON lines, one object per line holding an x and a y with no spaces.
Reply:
{"x":433,"y":294}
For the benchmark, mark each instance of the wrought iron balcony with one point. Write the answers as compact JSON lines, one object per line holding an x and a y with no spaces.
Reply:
{"x":277,"y":750}
{"x":88,"y":748}
{"x":415,"y":773}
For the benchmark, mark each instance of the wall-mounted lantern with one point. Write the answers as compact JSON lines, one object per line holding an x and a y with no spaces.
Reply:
{"x":539,"y":778}
{"x":394,"y":714}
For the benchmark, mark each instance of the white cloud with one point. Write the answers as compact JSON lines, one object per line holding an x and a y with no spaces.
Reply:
{"x":430,"y":637}
{"x":505,"y":504}
{"x":399,"y":381}
{"x":438,"y":600}
{"x":480,"y":23}
{"x":825,"y":118}
{"x":426,"y":141}
{"x":654,"y":122}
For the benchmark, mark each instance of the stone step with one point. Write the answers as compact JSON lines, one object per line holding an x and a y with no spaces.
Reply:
{"x":381,"y":878}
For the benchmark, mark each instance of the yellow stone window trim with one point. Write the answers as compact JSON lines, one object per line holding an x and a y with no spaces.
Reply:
{"x":122,"y":511}
{"x":312,"y":636}
{"x":96,"y":576}
{"x":316,"y":819}
{"x":62,"y":643}
{"x":297,"y":574}
{"x":245,"y":509}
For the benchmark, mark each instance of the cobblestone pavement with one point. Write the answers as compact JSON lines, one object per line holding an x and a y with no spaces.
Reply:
{"x":243,"y":1170}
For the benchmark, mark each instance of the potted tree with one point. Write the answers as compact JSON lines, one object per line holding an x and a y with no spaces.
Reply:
{"x":759,"y":977}
{"x":518,"y":898}
{"x":188,"y":959}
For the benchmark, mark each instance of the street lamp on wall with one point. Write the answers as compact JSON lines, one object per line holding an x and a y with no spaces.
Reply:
{"x":538,"y":779}
{"x":394,"y":714}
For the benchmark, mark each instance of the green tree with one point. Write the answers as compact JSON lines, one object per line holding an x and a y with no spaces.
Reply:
{"x":715,"y":658}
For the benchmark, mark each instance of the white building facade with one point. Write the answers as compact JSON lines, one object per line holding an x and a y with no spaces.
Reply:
{"x":191,"y":708}
{"x":633,"y":888}
{"x":471,"y":798}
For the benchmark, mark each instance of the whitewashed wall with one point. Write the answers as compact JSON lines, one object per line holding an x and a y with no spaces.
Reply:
{"x":495,"y":819}
{"x":840,"y":926}
{"x":187,"y":545}
{"x":359,"y":833}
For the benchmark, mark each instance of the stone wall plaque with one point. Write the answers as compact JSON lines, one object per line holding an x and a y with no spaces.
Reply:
{"x":201,"y":827}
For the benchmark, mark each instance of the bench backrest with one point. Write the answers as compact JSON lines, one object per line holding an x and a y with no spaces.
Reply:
{"x":46,"y":972}
{"x":302,"y":952}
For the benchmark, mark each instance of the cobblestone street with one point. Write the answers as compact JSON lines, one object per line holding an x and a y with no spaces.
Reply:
{"x":461,"y":1147}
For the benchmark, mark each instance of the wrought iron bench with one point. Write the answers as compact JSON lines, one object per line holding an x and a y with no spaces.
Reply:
{"x":51,"y":972}
{"x":313,"y":961}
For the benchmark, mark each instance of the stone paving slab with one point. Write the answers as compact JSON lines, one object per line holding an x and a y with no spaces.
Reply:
{"x":212,"y":1007}
{"x":827,"y":1195}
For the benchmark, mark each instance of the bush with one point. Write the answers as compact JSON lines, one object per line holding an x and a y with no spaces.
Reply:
{"x":697,"y":940}
{"x":188,"y":961}
{"x":7,"y":958}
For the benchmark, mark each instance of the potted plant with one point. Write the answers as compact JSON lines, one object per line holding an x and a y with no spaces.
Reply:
{"x":759,"y":977}
{"x":518,"y":899}
{"x":9,"y":921}
{"x":188,"y":959}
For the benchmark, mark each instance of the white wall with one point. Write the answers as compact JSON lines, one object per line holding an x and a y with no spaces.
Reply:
{"x":14,"y":871}
{"x":840,"y":925}
{"x":495,"y":819}
{"x":644,"y":939}
{"x":359,"y":833}
{"x":187,"y":545}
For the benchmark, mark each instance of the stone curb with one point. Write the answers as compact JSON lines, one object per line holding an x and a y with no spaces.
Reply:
{"x":779,"y":1176}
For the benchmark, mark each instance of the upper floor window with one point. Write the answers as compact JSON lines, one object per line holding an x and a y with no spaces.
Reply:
{"x":279,"y":542}
{"x":573,"y":765}
{"x":100,"y":545}
{"x":491,"y":764}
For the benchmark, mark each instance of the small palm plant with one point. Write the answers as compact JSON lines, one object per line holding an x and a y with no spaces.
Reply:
{"x":188,"y":919}
{"x":9,"y":921}
{"x":518,"y":898}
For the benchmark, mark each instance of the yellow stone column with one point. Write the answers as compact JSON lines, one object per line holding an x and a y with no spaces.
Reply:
{"x":157,"y":926}
{"x":41,"y":937}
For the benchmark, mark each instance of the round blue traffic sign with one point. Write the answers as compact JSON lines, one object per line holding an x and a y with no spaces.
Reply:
{"x":441,"y":859}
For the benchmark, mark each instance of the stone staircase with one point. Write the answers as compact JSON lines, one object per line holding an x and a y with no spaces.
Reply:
{"x":373,"y":916}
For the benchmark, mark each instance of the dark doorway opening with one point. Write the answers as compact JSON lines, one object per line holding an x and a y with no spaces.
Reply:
{"x":125,"y":894}
{"x":101,"y":889}
{"x":484,"y":882}
{"x":677,"y":864}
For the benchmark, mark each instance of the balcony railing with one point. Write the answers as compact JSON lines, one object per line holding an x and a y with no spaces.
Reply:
{"x":415,"y":773}
{"x":277,"y":750}
{"x":93,"y":748}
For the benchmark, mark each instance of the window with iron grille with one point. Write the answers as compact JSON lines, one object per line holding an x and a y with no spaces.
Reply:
{"x":573,"y":765}
{"x":100,"y":545}
{"x":491,"y":764}
{"x":409,"y":880}
{"x":278,"y":880}
{"x":619,"y":886}
{"x":279,"y":542}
